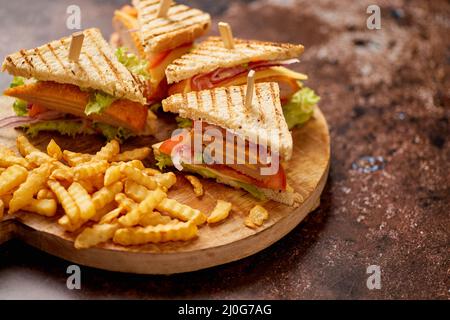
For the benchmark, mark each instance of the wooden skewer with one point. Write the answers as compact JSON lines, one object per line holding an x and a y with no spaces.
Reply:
{"x":75,"y":46}
{"x":164,"y":6}
{"x":250,"y":89}
{"x":226,"y":34}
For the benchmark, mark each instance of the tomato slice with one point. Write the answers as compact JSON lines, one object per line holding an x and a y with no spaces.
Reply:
{"x":168,"y":145}
{"x":35,"y":110}
{"x":276,"y":182}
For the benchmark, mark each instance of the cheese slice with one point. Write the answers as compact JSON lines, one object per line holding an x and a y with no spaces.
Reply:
{"x":158,"y":73}
{"x":282,"y":72}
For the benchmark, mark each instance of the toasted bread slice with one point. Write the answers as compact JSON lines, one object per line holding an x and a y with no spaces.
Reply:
{"x":225,"y":107}
{"x":97,"y":67}
{"x":127,"y":27}
{"x":212,"y":54}
{"x":182,"y":25}
{"x":70,"y":99}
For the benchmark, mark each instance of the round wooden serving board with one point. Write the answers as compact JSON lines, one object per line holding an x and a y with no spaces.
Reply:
{"x":307,"y":173}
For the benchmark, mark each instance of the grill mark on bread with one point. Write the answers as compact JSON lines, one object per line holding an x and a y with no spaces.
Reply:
{"x":111,"y":66}
{"x":57,"y":58}
{"x":38,"y":53}
{"x":260,"y":100}
{"x":171,"y":20}
{"x":11,"y":61}
{"x":165,"y":32}
{"x":25,"y":58}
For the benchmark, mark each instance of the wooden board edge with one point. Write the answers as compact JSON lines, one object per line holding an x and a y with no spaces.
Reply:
{"x":8,"y":230}
{"x":171,"y":263}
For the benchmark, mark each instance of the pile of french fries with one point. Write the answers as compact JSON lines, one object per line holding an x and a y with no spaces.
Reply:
{"x":109,"y":195}
{"x":106,"y":196}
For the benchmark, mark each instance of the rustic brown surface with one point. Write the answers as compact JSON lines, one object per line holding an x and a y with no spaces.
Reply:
{"x":385,"y":93}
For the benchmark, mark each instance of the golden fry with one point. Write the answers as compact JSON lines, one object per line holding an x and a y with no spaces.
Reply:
{"x":100,"y":213}
{"x":153,"y":219}
{"x":67,"y":202}
{"x":108,"y":152}
{"x":53,"y":150}
{"x":256,"y":217}
{"x":75,"y":159}
{"x":181,"y":211}
{"x":11,"y":178}
{"x":35,"y":181}
{"x":24,"y":146}
{"x":195,"y":182}
{"x":151,"y":172}
{"x":65,"y":222}
{"x":124,"y":202}
{"x":92,"y":236}
{"x":152,"y":199}
{"x":43,"y":207}
{"x":137,"y":176}
{"x":112,"y":175}
{"x":45,"y":193}
{"x":135,"y":154}
{"x":2,"y":209}
{"x":87,"y":185}
{"x":62,"y":174}
{"x":156,"y":234}
{"x":7,"y":160}
{"x":135,"y":191}
{"x":220,"y":212}
{"x":6,"y":151}
{"x":89,"y":169}
{"x":106,"y":194}
{"x":166,"y":180}
{"x":97,"y":181}
{"x":83,"y":200}
{"x":111,"y":216}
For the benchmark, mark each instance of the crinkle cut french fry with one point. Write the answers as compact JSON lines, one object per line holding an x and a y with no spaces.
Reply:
{"x":90,"y":169}
{"x":147,"y":205}
{"x":151,"y":172}
{"x":111,"y":216}
{"x":65,"y":222}
{"x":39,"y":158}
{"x":6,"y":198}
{"x":53,"y":150}
{"x":35,"y":181}
{"x":45,"y":193}
{"x":109,"y":151}
{"x":135,"y":154}
{"x":43,"y":207}
{"x":153,"y":219}
{"x":7,"y":160}
{"x":166,"y":180}
{"x":6,"y":151}
{"x":139,"y":177}
{"x":97,"y":181}
{"x":156,"y":234}
{"x":87,"y":185}
{"x":112,"y":175}
{"x":106,"y":194}
{"x":94,"y":235}
{"x":256,"y":217}
{"x":75,"y":159}
{"x":24,"y":146}
{"x":195,"y":182}
{"x":220,"y":212}
{"x":67,"y":202}
{"x":124,"y":202}
{"x":181,"y":211}
{"x":12,"y":177}
{"x":62,"y":174}
{"x":100,"y":213}
{"x":83,"y":201}
{"x":135,"y":191}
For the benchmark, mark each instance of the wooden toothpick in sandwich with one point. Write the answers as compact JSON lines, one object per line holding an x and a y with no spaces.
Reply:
{"x":226,"y":34}
{"x":250,"y":89}
{"x":164,"y":6}
{"x":75,"y":46}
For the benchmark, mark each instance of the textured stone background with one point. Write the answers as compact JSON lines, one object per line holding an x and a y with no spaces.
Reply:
{"x":385,"y":94}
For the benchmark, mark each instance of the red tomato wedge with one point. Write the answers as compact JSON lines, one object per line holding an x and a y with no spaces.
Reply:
{"x":35,"y":110}
{"x":158,"y":58}
{"x":168,"y":145}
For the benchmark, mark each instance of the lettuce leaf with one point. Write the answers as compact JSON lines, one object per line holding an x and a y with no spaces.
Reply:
{"x":111,"y":132}
{"x":17,"y":81}
{"x":300,"y":107}
{"x":64,"y":127}
{"x":184,"y":123}
{"x":163,"y":160}
{"x":98,"y":102}
{"x":20,"y":108}
{"x":133,"y":63}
